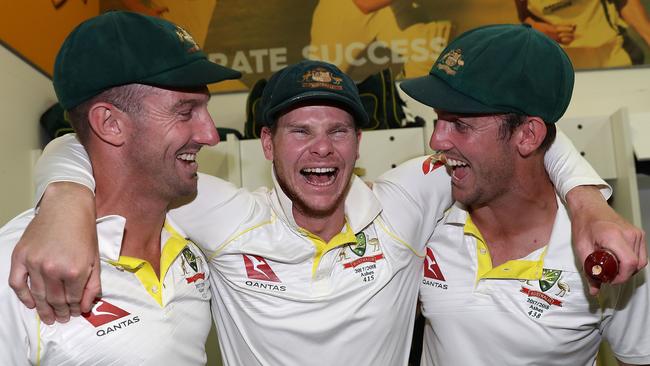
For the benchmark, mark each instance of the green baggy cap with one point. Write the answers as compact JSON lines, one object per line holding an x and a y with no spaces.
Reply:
{"x":311,"y":81}
{"x":118,"y":48}
{"x":502,"y":68}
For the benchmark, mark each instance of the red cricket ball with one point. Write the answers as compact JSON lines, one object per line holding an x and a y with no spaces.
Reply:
{"x":601,"y":265}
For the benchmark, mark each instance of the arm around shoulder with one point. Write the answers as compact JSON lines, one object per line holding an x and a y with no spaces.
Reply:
{"x":66,"y":283}
{"x":218,"y":211}
{"x":414,"y":197}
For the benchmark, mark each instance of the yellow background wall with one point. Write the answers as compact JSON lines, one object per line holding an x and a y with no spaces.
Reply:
{"x":36,"y":29}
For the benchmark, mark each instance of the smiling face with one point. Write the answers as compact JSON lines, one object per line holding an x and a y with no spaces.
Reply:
{"x":168,"y":133}
{"x":313,"y":149}
{"x":480,"y":160}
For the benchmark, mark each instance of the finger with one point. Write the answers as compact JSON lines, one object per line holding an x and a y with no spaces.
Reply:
{"x":44,"y":310}
{"x":627,"y":260}
{"x":566,"y":39}
{"x":18,"y":281}
{"x":636,"y":238}
{"x":582,"y":249}
{"x":74,"y":289}
{"x":55,"y":297}
{"x":594,"y":287}
{"x":564,"y":28}
{"x":643,"y":251}
{"x":93,"y":289}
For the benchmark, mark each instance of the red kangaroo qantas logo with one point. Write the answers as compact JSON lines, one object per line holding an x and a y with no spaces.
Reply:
{"x":431,"y":163}
{"x":104,"y":312}
{"x":431,"y":268}
{"x":258,"y":269}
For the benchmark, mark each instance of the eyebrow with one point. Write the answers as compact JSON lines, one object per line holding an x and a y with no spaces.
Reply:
{"x":183,"y":102}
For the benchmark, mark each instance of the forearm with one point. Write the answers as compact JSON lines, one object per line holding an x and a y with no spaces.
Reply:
{"x":522,"y":10}
{"x":369,"y":6}
{"x":635,"y":15}
{"x":71,"y":200}
{"x":584,"y":198}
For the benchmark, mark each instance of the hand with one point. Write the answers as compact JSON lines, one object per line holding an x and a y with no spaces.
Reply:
{"x":561,"y":33}
{"x":596,"y":225}
{"x":55,"y":265}
{"x":565,"y":33}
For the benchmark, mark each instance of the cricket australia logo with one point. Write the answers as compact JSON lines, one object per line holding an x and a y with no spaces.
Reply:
{"x":194,"y":274}
{"x":185,"y":37}
{"x":551,"y":286}
{"x":321,"y":78}
{"x":451,"y":62}
{"x":360,"y":248}
{"x":368,"y":253}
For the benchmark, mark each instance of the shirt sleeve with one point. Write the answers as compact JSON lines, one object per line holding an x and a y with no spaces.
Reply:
{"x":414,"y":197}
{"x":218,"y":212}
{"x":63,"y":160}
{"x":627,"y":329}
{"x":568,"y":169}
{"x":19,"y":328}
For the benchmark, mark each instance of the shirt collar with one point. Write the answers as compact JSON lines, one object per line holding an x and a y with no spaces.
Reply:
{"x":110,"y":233}
{"x":557,"y":254}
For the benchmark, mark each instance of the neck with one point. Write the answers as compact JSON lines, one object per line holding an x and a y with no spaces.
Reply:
{"x":326,"y":226}
{"x":116,"y":194}
{"x":519,"y":221}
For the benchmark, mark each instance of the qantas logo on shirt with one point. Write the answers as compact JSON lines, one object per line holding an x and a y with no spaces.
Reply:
{"x":431,"y":267}
{"x":258,"y":269}
{"x":433,"y":162}
{"x":432,"y":271}
{"x":104,"y":312}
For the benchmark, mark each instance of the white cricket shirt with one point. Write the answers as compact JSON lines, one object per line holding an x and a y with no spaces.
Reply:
{"x":533,"y":311}
{"x":139,"y":320}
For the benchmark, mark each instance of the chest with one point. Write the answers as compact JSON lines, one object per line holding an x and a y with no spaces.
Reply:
{"x":279,"y":263}
{"x":128,"y":326}
{"x":555,"y":299}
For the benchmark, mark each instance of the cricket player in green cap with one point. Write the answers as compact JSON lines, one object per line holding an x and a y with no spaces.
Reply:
{"x":502,"y":284}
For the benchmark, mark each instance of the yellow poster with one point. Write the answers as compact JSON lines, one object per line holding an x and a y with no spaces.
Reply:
{"x":362,"y":37}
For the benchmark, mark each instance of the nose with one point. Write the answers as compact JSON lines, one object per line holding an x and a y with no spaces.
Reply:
{"x":440,"y":137}
{"x":322,"y":145}
{"x":205,"y":132}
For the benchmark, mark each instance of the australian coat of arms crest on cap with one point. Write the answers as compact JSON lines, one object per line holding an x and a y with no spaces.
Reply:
{"x":451,"y":62}
{"x":185,"y":37}
{"x":321,"y":78}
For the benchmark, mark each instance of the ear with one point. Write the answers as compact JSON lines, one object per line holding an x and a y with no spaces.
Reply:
{"x":530,"y":136}
{"x":108,"y":123}
{"x":267,"y":142}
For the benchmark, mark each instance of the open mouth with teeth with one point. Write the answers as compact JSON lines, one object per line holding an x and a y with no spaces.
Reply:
{"x":459,"y":169}
{"x":319,"y":176}
{"x":188,"y":158}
